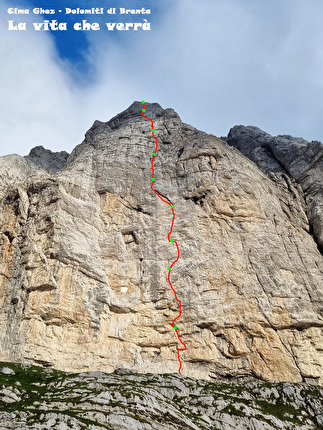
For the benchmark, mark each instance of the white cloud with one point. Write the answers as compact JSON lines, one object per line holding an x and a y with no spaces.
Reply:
{"x":218,"y":64}
{"x":37,"y":100}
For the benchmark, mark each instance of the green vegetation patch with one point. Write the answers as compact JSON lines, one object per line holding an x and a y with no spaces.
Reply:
{"x":90,"y":398}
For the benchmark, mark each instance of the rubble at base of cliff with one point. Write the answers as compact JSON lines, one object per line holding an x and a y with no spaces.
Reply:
{"x":83,"y":280}
{"x":33,"y":397}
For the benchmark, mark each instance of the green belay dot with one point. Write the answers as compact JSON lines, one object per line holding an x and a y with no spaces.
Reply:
{"x":154,"y":154}
{"x":172,"y":206}
{"x":143,"y":102}
{"x":152,"y":130}
{"x":175,"y":328}
{"x":168,"y":268}
{"x":152,"y":179}
{"x":172,"y":240}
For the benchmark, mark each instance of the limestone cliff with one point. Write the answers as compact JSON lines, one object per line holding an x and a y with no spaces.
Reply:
{"x":84,"y":255}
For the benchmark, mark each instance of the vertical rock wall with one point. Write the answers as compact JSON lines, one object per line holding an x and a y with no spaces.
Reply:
{"x":84,"y":256}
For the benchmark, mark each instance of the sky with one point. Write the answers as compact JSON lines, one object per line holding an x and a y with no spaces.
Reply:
{"x":218,"y":63}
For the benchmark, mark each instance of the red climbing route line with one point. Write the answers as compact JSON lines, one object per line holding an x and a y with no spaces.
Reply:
{"x":169,"y":239}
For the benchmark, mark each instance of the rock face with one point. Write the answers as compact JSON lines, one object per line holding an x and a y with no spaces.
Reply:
{"x":46,"y":159}
{"x":84,"y":255}
{"x":301,"y":160}
{"x":123,"y":401}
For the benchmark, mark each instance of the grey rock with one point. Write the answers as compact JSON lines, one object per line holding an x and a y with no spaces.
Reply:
{"x":7,"y":371}
{"x":133,"y":114}
{"x":48,"y":160}
{"x":8,"y":396}
{"x":99,"y":401}
{"x":300,"y":159}
{"x":255,"y":144}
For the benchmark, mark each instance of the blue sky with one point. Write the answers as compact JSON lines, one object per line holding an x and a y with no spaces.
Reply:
{"x":218,"y":63}
{"x":74,"y":46}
